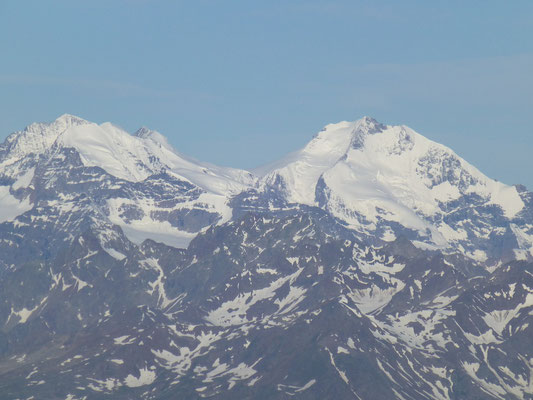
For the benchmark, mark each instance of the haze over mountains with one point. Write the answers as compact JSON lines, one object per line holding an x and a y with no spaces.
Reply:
{"x":370,"y":255}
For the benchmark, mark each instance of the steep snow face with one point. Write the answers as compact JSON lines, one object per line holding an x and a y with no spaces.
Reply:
{"x":34,"y":140}
{"x":212,"y":178}
{"x":399,"y":170}
{"x":366,"y":160}
{"x":368,"y":171}
{"x":37,"y":137}
{"x":134,"y":158}
{"x":125,"y":156}
{"x":112,"y":149}
{"x":422,"y":173}
{"x":301,"y":170}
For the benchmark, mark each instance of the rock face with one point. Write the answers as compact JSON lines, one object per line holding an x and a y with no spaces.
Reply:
{"x":371,"y":264}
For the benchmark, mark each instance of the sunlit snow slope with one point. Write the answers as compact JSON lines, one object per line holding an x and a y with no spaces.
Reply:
{"x":377,"y":177}
{"x":381,"y":181}
{"x":150,"y":207}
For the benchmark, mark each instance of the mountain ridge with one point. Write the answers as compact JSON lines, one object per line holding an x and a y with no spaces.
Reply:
{"x":128,"y":271}
{"x":373,"y":177}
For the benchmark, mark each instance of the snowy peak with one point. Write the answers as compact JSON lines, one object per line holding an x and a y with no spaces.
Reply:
{"x":112,"y":149}
{"x":125,"y":156}
{"x":411,"y":165}
{"x":364,"y":127}
{"x":154,"y":136}
{"x":36,"y":138}
{"x":68,"y":120}
{"x":378,"y":177}
{"x":59,"y":125}
{"x":53,"y":129}
{"x":390,"y":159}
{"x":145,"y":153}
{"x":140,"y":181}
{"x":329,"y":145}
{"x":299,"y":172}
{"x":128,"y":157}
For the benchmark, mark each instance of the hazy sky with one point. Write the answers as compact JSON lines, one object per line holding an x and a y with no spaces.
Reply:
{"x":240,"y":83}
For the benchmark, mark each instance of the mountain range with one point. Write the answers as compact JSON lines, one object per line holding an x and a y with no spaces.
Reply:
{"x":373,"y":263}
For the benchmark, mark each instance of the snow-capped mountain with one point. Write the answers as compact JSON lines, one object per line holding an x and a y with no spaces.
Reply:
{"x":381,"y":181}
{"x":389,"y":180}
{"x":372,"y":264}
{"x":128,"y":168}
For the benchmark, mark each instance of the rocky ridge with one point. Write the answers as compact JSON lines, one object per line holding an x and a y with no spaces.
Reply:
{"x":373,"y":255}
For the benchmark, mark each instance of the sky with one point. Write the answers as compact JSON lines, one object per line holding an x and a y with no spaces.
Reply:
{"x":242,"y":83}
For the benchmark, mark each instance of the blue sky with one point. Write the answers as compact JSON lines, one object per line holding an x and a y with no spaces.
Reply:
{"x":241,"y":83}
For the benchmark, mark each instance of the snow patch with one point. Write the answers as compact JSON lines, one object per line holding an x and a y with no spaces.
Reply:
{"x":146,"y":377}
{"x":11,"y":207}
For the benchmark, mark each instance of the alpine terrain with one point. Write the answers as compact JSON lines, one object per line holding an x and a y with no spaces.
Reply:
{"x":371,"y":264}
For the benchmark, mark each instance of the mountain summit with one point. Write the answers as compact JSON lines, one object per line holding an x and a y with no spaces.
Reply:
{"x":384,"y":164}
{"x":382,"y":181}
{"x":371,"y":264}
{"x":378,"y":177}
{"x":122,"y":160}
